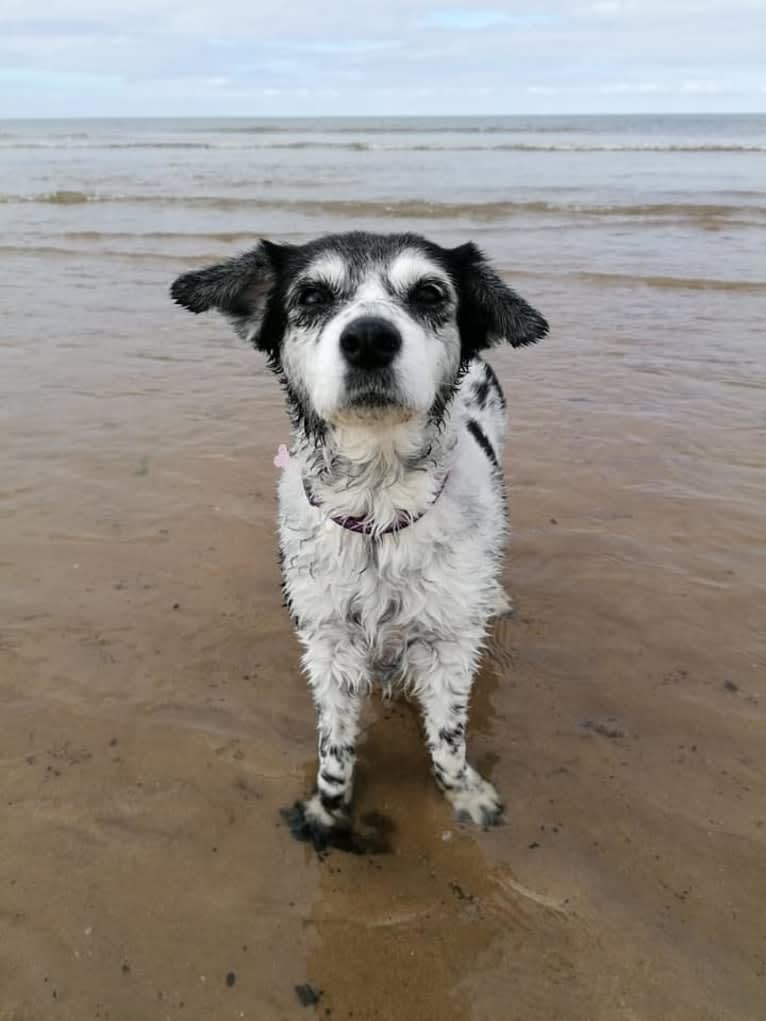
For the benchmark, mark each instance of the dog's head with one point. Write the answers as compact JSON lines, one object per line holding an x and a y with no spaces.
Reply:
{"x":364,"y":326}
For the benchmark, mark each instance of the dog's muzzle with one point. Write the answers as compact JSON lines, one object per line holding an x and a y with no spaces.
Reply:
{"x":370,"y":343}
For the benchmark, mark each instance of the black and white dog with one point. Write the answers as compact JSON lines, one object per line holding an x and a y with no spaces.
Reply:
{"x":391,"y":505}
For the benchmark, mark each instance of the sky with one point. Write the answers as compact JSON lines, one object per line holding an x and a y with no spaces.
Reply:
{"x":258,"y":58}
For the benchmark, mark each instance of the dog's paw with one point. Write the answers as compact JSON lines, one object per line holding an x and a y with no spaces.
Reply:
{"x":480,"y":804}
{"x":311,"y":823}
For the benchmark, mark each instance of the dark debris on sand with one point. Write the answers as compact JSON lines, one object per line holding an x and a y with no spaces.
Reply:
{"x":307,"y":995}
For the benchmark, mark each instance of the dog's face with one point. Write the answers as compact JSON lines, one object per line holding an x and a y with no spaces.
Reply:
{"x":364,"y":326}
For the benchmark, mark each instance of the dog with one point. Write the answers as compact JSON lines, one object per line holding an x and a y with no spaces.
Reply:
{"x":392,"y":516}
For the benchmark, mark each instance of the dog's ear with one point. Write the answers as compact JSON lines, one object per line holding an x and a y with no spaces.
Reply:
{"x":239,"y":288}
{"x":488,"y":310}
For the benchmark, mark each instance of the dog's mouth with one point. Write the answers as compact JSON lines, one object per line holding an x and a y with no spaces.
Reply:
{"x":372,"y":392}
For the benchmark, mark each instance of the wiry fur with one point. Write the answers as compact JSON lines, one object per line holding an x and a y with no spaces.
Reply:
{"x":423,"y":436}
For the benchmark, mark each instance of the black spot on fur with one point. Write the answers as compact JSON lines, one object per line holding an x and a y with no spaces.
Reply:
{"x":444,"y":397}
{"x":481,"y":392}
{"x":494,"y":382}
{"x":341,"y":752}
{"x":441,"y":777}
{"x":481,"y":438}
{"x":452,"y":736}
{"x":331,"y":802}
{"x":330,"y":778}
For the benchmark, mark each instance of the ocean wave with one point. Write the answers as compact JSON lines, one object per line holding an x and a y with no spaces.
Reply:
{"x":671,"y":282}
{"x":594,"y":278}
{"x":515,"y":147}
{"x":417,"y":209}
{"x":225,"y":236}
{"x":64,"y":143}
{"x":367,"y":146}
{"x":394,"y":126}
{"x":62,"y":197}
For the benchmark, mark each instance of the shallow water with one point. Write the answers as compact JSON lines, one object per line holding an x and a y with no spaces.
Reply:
{"x":154,"y":720}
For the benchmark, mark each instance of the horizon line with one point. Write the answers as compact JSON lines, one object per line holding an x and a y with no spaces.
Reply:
{"x":380,"y":116}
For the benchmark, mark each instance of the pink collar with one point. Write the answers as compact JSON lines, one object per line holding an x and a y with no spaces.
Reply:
{"x":365,"y":526}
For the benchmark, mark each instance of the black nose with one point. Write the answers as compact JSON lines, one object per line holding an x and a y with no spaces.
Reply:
{"x":370,"y":342}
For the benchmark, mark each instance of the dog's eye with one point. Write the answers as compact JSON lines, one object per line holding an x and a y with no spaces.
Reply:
{"x":314,"y":296}
{"x":428,"y":294}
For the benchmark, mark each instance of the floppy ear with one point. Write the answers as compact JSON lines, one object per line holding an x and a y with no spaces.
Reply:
{"x":489,"y":311}
{"x":239,"y":288}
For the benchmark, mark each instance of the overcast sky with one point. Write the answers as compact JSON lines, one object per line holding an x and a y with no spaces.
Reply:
{"x":261,"y":57}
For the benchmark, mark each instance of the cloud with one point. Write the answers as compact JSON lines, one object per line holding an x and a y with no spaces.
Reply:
{"x":175,"y":57}
{"x":704,"y":87}
{"x":469,"y":19}
{"x":629,"y":88}
{"x":332,"y":47}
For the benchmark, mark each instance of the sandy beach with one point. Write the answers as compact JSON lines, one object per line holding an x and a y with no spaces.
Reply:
{"x":154,"y":719}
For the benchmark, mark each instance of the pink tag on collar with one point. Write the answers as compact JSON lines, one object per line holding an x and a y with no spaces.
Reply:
{"x":283,"y":457}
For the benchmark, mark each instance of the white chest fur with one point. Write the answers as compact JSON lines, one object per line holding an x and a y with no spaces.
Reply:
{"x":396,"y":596}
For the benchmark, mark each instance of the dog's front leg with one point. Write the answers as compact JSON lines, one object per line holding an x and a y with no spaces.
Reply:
{"x":336,"y":673}
{"x":443,"y":692}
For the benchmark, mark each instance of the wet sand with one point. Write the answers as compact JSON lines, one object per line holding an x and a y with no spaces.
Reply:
{"x":154,"y":720}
